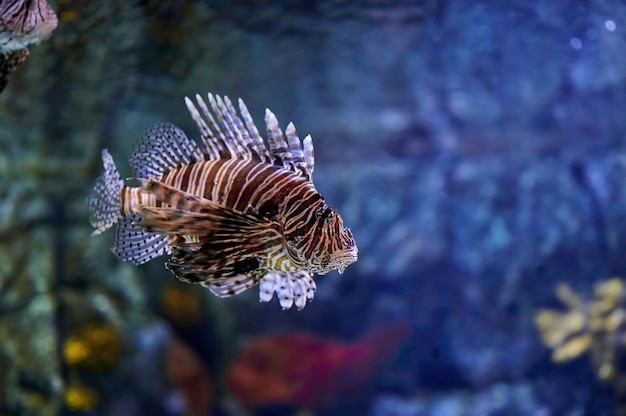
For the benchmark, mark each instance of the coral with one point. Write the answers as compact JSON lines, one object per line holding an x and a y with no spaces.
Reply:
{"x":78,"y":397}
{"x":565,"y":332}
{"x":96,"y":348}
{"x":596,"y":326}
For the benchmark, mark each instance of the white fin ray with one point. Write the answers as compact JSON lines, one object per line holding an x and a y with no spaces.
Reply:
{"x":224,"y":132}
{"x":295,"y":148}
{"x":133,"y":243}
{"x":279,"y":151}
{"x":291,"y":288}
{"x":257,"y":144}
{"x":227,"y":134}
{"x":162,"y":148}
{"x":211,"y":147}
{"x":235,"y":139}
{"x":309,"y":159}
{"x":249,"y":143}
{"x":215,"y":137}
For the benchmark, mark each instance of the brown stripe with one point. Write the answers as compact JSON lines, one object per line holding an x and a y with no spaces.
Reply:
{"x":123,"y":199}
{"x":184,"y":173}
{"x":209,"y":173}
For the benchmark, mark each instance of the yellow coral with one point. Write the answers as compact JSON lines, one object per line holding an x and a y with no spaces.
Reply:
{"x":572,"y":349}
{"x":596,"y":325}
{"x":613,"y":288}
{"x":615,"y":320}
{"x":567,"y":296}
{"x":75,"y":351}
{"x":97,"y":348}
{"x":606,"y":371}
{"x":607,"y":295}
{"x":554,"y":327}
{"x":80,"y":398}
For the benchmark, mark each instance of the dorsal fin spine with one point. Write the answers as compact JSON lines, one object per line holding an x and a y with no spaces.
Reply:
{"x":229,"y":134}
{"x":216,"y":134}
{"x":278,"y":146}
{"x":238,"y":128}
{"x":257,"y":142}
{"x":295,"y":146}
{"x":309,"y":159}
{"x":209,"y":147}
{"x":227,"y":140}
{"x":234,"y":136}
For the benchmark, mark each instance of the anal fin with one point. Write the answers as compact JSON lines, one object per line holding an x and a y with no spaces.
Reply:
{"x":222,"y":282}
{"x":233,"y":285}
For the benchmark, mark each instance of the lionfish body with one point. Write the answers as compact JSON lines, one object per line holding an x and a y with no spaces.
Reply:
{"x":22,"y":22}
{"x":232,"y":213}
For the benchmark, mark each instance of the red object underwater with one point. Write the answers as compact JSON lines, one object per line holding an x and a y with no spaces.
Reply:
{"x":309,"y":372}
{"x":187,"y":373}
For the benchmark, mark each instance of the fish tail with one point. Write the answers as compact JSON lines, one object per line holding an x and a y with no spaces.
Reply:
{"x":104,"y":201}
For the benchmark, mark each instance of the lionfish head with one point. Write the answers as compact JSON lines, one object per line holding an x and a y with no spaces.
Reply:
{"x":335,"y":247}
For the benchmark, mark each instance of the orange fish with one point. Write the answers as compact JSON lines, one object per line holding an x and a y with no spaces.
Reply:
{"x":308,"y":372}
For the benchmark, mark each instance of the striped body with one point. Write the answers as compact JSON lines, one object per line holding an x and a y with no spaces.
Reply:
{"x":244,"y":185}
{"x":232,"y":214}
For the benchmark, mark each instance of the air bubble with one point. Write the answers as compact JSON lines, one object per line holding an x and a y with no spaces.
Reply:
{"x":576,"y":43}
{"x":610,"y":25}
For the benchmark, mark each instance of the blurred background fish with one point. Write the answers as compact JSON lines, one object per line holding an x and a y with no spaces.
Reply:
{"x":22,"y":22}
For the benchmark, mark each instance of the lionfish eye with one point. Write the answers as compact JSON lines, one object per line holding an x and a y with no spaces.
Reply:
{"x":325,"y":213}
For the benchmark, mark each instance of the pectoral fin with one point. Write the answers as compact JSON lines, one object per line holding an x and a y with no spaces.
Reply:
{"x":213,"y":220}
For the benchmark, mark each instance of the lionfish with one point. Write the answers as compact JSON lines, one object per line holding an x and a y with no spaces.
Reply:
{"x":232,"y":213}
{"x":22,"y":22}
